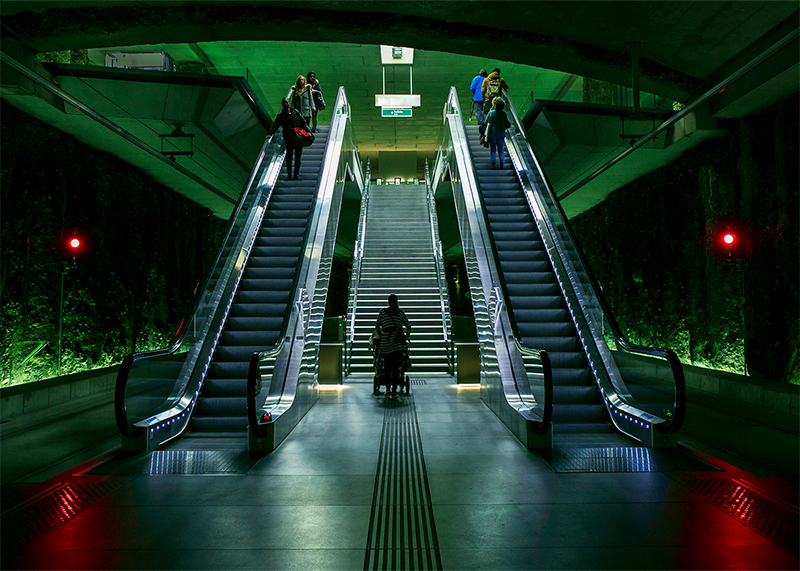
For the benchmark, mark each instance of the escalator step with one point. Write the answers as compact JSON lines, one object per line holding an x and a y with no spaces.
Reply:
{"x":226,"y":387}
{"x":220,"y":372}
{"x":541,"y":315}
{"x":567,"y":359}
{"x":262,"y":338}
{"x":242,"y":353}
{"x":573,"y":376}
{"x":552,"y":344}
{"x":213,"y":407}
{"x":253,"y":297}
{"x":523,"y":289}
{"x":261,"y":319}
{"x":281,"y":271}
{"x":220,"y":424}
{"x":265,"y":285}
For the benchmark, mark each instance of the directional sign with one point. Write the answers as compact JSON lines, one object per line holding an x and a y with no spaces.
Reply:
{"x":391,"y":112}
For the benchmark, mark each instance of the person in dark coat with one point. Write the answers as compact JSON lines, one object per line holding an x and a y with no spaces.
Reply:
{"x":290,"y":118}
{"x":319,"y":101}
{"x":394,"y":329}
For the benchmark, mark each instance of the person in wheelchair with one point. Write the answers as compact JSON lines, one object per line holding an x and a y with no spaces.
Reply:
{"x":394,"y":330}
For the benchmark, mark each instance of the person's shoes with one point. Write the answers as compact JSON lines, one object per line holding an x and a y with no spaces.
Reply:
{"x":394,"y":395}
{"x":289,"y":177}
{"x":493,"y":166}
{"x":501,"y":166}
{"x":297,"y":177}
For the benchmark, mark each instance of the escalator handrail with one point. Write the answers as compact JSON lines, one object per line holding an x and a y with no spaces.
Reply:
{"x":547,"y":406}
{"x":671,"y":424}
{"x":120,"y":406}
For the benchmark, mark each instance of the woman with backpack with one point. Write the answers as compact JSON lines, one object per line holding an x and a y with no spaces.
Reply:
{"x":394,"y":328}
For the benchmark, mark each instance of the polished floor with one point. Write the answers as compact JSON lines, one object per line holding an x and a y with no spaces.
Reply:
{"x":433,"y":480}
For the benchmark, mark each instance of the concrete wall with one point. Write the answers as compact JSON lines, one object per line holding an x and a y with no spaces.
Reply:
{"x":63,"y":395}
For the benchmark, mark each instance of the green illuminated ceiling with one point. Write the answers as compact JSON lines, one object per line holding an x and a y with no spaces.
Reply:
{"x":272,"y":68}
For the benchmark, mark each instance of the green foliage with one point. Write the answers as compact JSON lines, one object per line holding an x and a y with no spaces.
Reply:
{"x":147,"y":247}
{"x":654,"y":247}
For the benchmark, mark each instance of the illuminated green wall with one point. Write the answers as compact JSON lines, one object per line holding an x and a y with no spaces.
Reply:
{"x":654,"y":246}
{"x":148,"y":247}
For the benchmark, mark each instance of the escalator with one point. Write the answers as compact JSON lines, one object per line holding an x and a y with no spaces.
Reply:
{"x":533,"y":292}
{"x":534,"y":296}
{"x":264,"y":300}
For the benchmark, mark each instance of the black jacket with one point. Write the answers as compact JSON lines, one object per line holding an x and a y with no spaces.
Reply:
{"x":288,"y":121}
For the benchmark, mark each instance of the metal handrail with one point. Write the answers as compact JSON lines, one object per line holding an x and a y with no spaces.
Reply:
{"x":355,"y":273}
{"x":672,"y":423}
{"x":234,"y":224}
{"x":444,"y":295}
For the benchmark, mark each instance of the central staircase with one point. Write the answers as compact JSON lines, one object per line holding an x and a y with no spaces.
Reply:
{"x":398,"y":258}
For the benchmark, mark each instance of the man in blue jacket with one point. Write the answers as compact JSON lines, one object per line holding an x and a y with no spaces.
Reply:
{"x":477,"y":98}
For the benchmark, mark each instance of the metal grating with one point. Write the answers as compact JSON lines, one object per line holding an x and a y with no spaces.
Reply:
{"x":166,"y":462}
{"x":418,"y":382}
{"x":751,"y":508}
{"x":620,"y":459}
{"x":402,"y":534}
{"x":33,"y":521}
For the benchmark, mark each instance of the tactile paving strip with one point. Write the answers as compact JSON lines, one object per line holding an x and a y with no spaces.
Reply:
{"x":402,"y":534}
{"x":620,"y":459}
{"x":753,"y":509}
{"x":46,"y":514}
{"x":167,"y":462}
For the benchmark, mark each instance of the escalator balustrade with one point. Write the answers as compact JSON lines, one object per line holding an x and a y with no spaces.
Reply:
{"x":263,"y":300}
{"x":534,"y":296}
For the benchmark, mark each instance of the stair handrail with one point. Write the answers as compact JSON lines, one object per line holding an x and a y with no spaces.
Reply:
{"x":206,"y":301}
{"x":438,"y":254}
{"x":549,"y":201}
{"x":304,"y":326}
{"x":355,"y":272}
{"x":487,"y":291}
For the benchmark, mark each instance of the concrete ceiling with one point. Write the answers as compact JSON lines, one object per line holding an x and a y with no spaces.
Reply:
{"x":273,"y":67}
{"x":539,"y":45}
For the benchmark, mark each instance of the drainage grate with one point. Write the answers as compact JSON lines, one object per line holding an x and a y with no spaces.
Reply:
{"x":31,"y":522}
{"x":166,"y":462}
{"x":751,"y":508}
{"x":402,"y":534}
{"x":419,"y":382}
{"x":620,"y":459}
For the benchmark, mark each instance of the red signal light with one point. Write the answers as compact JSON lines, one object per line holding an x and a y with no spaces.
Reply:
{"x":74,"y":243}
{"x":729,"y":238}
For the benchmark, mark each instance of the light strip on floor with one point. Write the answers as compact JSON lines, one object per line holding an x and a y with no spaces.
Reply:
{"x":468,"y":386}
{"x":331,"y":388}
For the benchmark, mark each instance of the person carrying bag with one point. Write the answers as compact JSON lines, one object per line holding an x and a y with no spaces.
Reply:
{"x":296,"y":134}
